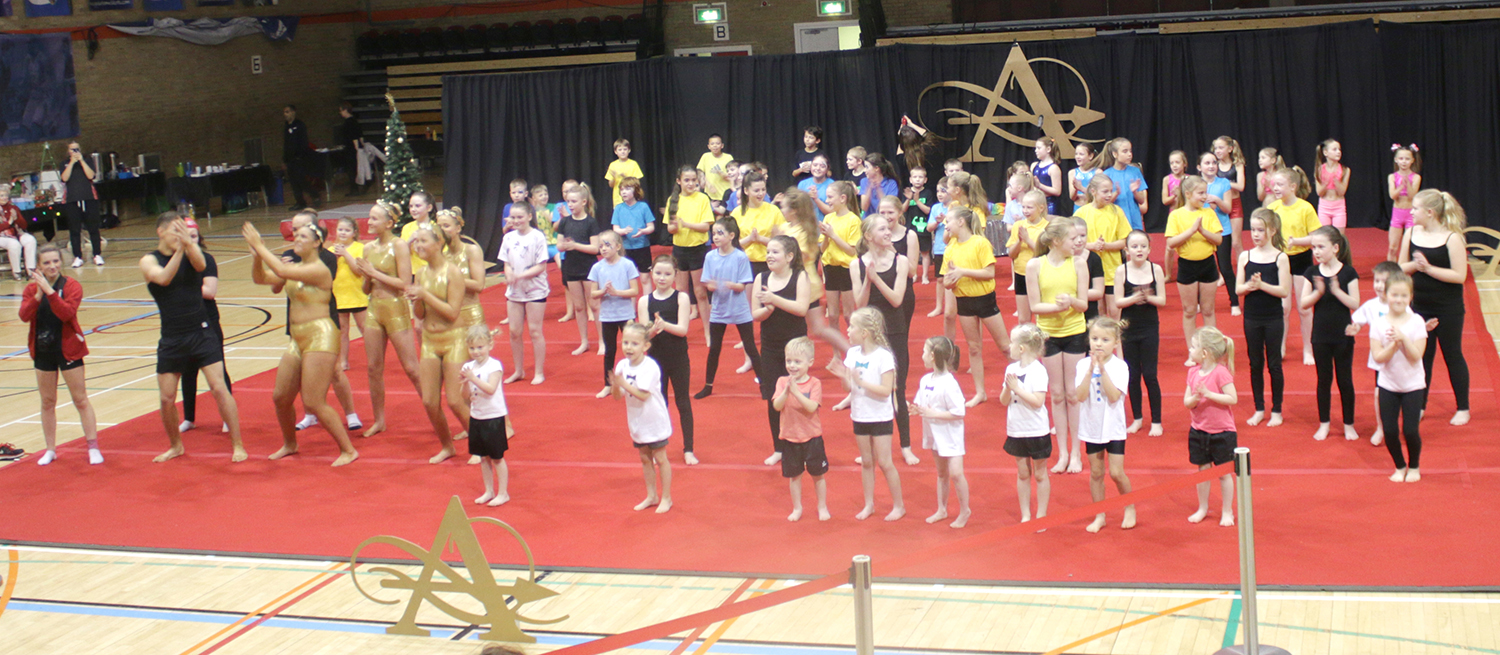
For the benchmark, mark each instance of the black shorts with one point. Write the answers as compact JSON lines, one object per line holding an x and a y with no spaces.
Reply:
{"x":1211,"y":447}
{"x":54,"y":361}
{"x":1076,"y":344}
{"x":1199,"y":271}
{"x":1113,"y":447}
{"x":1299,"y":262}
{"x":570,"y":277}
{"x":924,"y":241}
{"x":1020,"y":281}
{"x":836,"y":278}
{"x":654,"y":446}
{"x":487,"y":437}
{"x":185,"y":353}
{"x":690,"y":258}
{"x":352,"y":310}
{"x":937,"y":262}
{"x":872,"y":429}
{"x":977,"y":306}
{"x":798,"y":457}
{"x":641,"y":257}
{"x":1030,"y":447}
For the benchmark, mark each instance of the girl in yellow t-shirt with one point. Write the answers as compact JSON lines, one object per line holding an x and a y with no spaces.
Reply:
{"x":969,"y":270}
{"x":348,"y":284}
{"x":1022,"y":246}
{"x":1108,"y":228}
{"x":842,"y":231}
{"x":1057,"y":283}
{"x":1194,"y":231}
{"x":1298,"y":221}
{"x":802,"y":225}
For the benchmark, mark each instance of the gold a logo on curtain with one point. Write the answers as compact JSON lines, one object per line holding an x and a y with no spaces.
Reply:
{"x":1001,"y":113}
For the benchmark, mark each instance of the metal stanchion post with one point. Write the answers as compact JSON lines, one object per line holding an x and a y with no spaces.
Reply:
{"x":864,"y":619}
{"x":1249,"y":618}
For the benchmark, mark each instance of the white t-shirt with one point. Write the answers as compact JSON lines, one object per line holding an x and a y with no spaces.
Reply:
{"x":865,"y":408}
{"x":648,"y":418}
{"x":1398,"y":374}
{"x":1101,"y":421}
{"x":942,"y":436}
{"x":1367,"y":314}
{"x":483,"y":405}
{"x":523,"y":251}
{"x":1021,"y":420}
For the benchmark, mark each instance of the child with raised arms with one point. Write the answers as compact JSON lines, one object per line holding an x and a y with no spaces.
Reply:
{"x":489,"y":426}
{"x":1096,"y":387}
{"x":940,"y":403}
{"x":1333,"y":295}
{"x":612,"y":282}
{"x":1402,"y":185}
{"x":1210,"y":398}
{"x":1397,"y":342}
{"x":666,"y":310}
{"x":868,"y":370}
{"x":1264,"y":278}
{"x":1026,"y":427}
{"x":797,"y":397}
{"x":637,"y":379}
{"x":727,"y":275}
{"x":1141,"y":290}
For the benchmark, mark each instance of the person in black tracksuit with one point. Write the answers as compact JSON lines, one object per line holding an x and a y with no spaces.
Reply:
{"x":295,"y":153}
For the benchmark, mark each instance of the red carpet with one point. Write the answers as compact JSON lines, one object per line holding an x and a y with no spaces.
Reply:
{"x":1325,"y":513}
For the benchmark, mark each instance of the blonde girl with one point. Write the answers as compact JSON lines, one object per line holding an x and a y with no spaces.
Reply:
{"x":1210,"y":398}
{"x":420,"y":206}
{"x":969,"y":270}
{"x":1107,"y":231}
{"x":868,"y":370}
{"x":1398,"y":341}
{"x":940,"y":403}
{"x":666,"y":311}
{"x":386,"y":268}
{"x":1047,"y":175}
{"x":903,"y":239}
{"x":1022,"y":246}
{"x":437,"y":298}
{"x":1057,"y":285}
{"x":1193,"y":230}
{"x":489,"y":423}
{"x":841,"y":232}
{"x":1096,"y":387}
{"x":1332,"y":294}
{"x":612,"y":283}
{"x":1116,"y":160}
{"x":1401,"y":185}
{"x":943,"y":305}
{"x":1141,"y":291}
{"x":1269,"y":162}
{"x":1026,"y":427}
{"x":348,"y":284}
{"x":997,"y":227}
{"x":1177,"y":162}
{"x":1434,"y":255}
{"x":523,"y":251}
{"x":803,"y":227}
{"x":1298,"y":221}
{"x":689,"y":216}
{"x":1264,"y":277}
{"x":578,"y":238}
{"x":1333,"y":184}
{"x":882,"y":280}
{"x":1230,"y":161}
{"x":466,"y":254}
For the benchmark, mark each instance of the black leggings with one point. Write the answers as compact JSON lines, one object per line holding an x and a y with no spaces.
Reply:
{"x":190,"y":393}
{"x":1407,"y":407}
{"x":1448,"y":336}
{"x":611,"y":345}
{"x":84,"y":215}
{"x":716,"y":343}
{"x":1333,"y":358}
{"x":1263,"y":346}
{"x":677,"y":372}
{"x":1225,"y":254}
{"x":1141,"y":355}
{"x":773,"y":368}
{"x":899,"y":348}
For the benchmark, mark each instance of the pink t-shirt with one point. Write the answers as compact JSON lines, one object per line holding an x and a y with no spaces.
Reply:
{"x":798,"y":426}
{"x":1209,"y":416}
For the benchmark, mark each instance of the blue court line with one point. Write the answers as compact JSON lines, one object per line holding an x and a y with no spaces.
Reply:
{"x":1232,"y":630}
{"x":99,"y":328}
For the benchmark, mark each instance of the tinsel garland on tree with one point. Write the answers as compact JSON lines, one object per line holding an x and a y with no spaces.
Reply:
{"x":403,"y":173}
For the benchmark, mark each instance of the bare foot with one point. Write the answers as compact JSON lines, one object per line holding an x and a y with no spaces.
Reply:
{"x":538,"y":379}
{"x":1155,"y":430}
{"x":346,"y":458}
{"x":962,"y":520}
{"x":487,"y":497}
{"x":1398,"y":476}
{"x":774,"y":459}
{"x":978,"y":398}
{"x":1062,"y":465}
{"x":603,"y":393}
{"x":1135,"y":426}
{"x":664,"y":506}
{"x":373,"y":429}
{"x":896,"y":514}
{"x":582,"y":348}
{"x":823,"y":514}
{"x":1275,"y":420}
{"x":1234,"y":311}
{"x":441,"y":457}
{"x":172,"y":453}
{"x":474,"y":460}
{"x":796,"y":515}
{"x":1377,"y":438}
{"x":601,"y":350}
{"x":566,"y":318}
{"x":1097,"y":525}
{"x":461,"y":436}
{"x":1026,"y":516}
{"x":1322,"y":432}
{"x":911,"y":457}
{"x":1075,"y":465}
{"x":1413,"y":475}
{"x":690,"y":459}
{"x":515,"y":377}
{"x":865,"y":513}
{"x":1460,"y":418}
{"x":285,"y":451}
{"x":500,"y":499}
{"x":935,"y":313}
{"x":939,"y":515}
{"x":1350,"y":434}
{"x":1307,"y":359}
{"x":1227,"y":520}
{"x":1197,"y":517}
{"x":650,"y":501}
{"x":239,"y":455}
{"x":1129,"y":521}
{"x":744,"y":367}
{"x":1256,"y":418}
{"x":843,"y":404}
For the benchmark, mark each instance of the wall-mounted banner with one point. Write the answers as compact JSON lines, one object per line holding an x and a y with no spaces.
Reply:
{"x":163,"y":5}
{"x":5,"y":9}
{"x":39,"y":8}
{"x":40,"y":102}
{"x":110,"y":5}
{"x":215,"y":3}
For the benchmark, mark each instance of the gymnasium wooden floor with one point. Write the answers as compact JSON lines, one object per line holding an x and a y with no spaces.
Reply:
{"x":71,"y":600}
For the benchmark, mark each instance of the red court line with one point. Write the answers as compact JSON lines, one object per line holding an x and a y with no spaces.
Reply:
{"x":271,"y":614}
{"x":706,"y":617}
{"x":693,"y":636}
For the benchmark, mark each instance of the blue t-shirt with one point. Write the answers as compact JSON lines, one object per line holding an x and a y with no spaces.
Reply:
{"x":635,"y":217}
{"x":811,"y":187}
{"x":939,"y":235}
{"x":729,"y":307}
{"x":614,"y":308}
{"x":1217,"y":189}
{"x":888,"y":187}
{"x":1126,"y":199}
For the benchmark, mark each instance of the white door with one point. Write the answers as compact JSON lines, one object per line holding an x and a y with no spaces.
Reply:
{"x":823,"y":36}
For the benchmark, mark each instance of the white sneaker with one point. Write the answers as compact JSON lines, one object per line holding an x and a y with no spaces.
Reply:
{"x":98,"y":260}
{"x":95,"y":457}
{"x":77,"y":262}
{"x":308,"y":420}
{"x":353,"y":422}
{"x":184,"y":426}
{"x":225,"y":429}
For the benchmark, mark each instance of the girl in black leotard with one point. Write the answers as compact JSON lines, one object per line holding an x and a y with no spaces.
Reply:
{"x":1140,"y":288}
{"x":1434,"y":254}
{"x":887,"y":291}
{"x":779,"y":302}
{"x":1263,"y":276}
{"x":666,"y":310}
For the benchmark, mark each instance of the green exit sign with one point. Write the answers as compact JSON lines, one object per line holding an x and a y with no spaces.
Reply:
{"x":833,"y":7}
{"x":704,"y":14}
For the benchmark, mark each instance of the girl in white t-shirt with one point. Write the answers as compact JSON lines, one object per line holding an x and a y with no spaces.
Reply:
{"x":1027,"y":432}
{"x":869,"y":373}
{"x":523,"y":251}
{"x":1397,"y":341}
{"x":489,"y":429}
{"x":1098,"y":387}
{"x":940,"y":403}
{"x":637,"y":379}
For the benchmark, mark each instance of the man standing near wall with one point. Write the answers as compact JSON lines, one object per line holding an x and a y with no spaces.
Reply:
{"x":294,"y":153}
{"x":82,"y":209}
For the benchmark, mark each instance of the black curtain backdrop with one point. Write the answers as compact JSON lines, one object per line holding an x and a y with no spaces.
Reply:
{"x":1290,"y":89}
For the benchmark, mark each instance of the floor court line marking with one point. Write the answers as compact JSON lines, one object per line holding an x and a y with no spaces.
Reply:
{"x":1129,"y":624}
{"x":261,"y":609}
{"x":272,"y":614}
{"x":724,"y":627}
{"x":92,"y":395}
{"x":693,"y":636}
{"x":13,"y":569}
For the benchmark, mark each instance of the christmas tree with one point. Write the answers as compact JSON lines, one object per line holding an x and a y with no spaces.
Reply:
{"x":403,"y":173}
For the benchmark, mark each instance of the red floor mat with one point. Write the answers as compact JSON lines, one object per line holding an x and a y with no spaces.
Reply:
{"x":1325,"y":514}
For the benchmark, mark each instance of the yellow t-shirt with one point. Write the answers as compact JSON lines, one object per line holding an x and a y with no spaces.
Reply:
{"x":973,"y":254}
{"x":619,"y":170}
{"x":1110,"y":223}
{"x":849,"y":228}
{"x":1054,"y":280}
{"x":1298,"y":220}
{"x":410,"y":229}
{"x":348,"y":286}
{"x":1018,"y":260}
{"x":716,"y":170}
{"x":762,"y":219}
{"x":1197,"y":247}
{"x":691,"y":209}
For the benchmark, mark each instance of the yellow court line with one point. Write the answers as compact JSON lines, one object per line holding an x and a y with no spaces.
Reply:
{"x":1130,"y":624}
{"x":263,"y":608}
{"x":10,"y":580}
{"x":724,"y":627}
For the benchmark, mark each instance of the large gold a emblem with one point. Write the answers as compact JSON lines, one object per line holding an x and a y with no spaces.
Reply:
{"x":1018,"y":72}
{"x":457,"y":529}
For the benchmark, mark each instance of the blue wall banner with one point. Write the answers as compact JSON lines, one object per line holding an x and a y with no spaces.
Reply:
{"x":39,"y":8}
{"x":38,"y":99}
{"x":163,"y":5}
{"x":109,"y":5}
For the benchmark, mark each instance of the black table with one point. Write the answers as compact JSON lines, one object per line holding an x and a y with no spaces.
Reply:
{"x":139,"y":187}
{"x":48,"y":219}
{"x":199,"y":190}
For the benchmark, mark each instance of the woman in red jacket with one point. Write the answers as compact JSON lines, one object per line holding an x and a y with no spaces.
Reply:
{"x":50,"y":304}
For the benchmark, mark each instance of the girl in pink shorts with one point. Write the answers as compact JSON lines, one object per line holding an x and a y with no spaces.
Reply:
{"x":1402,"y":185}
{"x":1333,"y":182}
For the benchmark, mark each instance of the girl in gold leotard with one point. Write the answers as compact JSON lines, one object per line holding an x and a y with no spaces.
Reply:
{"x":437,"y":298}
{"x":311,"y":358}
{"x":386,"y":267}
{"x":466,"y":254}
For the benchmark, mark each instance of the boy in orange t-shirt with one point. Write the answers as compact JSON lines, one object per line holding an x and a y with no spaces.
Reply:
{"x":798,"y":396}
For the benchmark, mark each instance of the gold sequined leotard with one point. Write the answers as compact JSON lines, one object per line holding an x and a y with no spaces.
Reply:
{"x":390,"y":315}
{"x":441,"y":339}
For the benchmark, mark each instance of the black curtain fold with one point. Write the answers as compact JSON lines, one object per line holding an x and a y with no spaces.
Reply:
{"x":1438,"y":85}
